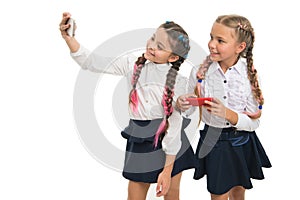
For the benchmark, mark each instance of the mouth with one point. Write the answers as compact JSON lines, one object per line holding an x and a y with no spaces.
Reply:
{"x":150,"y":53}
{"x":213,"y":53}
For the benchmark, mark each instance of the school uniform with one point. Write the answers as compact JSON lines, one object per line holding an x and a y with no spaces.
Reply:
{"x":229,"y":155}
{"x":143,"y":162}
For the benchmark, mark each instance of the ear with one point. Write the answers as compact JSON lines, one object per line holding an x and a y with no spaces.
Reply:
{"x":173,"y":58}
{"x":241,"y":47}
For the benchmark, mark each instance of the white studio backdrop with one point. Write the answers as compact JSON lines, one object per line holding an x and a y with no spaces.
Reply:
{"x":41,"y":153}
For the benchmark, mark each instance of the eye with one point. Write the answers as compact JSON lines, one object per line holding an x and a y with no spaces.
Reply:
{"x":153,"y":37}
{"x":221,"y":41}
{"x":159,"y":47}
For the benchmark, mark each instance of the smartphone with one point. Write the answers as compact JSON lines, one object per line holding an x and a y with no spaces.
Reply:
{"x":70,"y":30}
{"x":198,"y":101}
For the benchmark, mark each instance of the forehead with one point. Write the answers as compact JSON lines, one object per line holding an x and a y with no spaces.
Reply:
{"x":161,"y":33}
{"x":222,"y":31}
{"x":162,"y":37}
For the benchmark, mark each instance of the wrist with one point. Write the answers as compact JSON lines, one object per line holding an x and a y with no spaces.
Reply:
{"x":169,"y":163}
{"x":72,"y":44}
{"x":168,"y":169}
{"x":176,"y":107}
{"x":231,"y":116}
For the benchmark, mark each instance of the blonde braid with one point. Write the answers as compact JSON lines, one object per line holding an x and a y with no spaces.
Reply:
{"x":200,"y":76}
{"x":252,"y":74}
{"x":245,"y":33}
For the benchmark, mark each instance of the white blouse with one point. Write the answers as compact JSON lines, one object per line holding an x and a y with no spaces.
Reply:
{"x":150,"y":87}
{"x":233,"y":89}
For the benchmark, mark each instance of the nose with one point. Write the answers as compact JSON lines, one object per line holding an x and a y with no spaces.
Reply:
{"x":211,"y":44}
{"x":151,"y":45}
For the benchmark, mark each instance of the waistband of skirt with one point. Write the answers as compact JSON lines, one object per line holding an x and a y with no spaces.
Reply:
{"x":224,"y":130}
{"x":227,"y":133}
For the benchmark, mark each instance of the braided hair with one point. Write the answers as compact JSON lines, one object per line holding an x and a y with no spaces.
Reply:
{"x":133,"y":97}
{"x":179,"y":43}
{"x":244,"y":33}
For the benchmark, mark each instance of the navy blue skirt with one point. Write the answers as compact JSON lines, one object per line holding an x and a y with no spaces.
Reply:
{"x":229,"y":158}
{"x":144,"y":162}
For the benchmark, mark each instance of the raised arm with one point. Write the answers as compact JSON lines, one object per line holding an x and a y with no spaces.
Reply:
{"x":93,"y":61}
{"x":72,"y":43}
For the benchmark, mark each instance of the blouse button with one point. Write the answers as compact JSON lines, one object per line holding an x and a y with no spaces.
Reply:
{"x":225,"y":81}
{"x":224,"y":97}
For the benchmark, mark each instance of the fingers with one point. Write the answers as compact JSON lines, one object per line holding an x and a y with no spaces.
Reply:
{"x":161,"y":189}
{"x":217,"y":101}
{"x":190,"y":95}
{"x":163,"y":184}
{"x":65,"y":18}
{"x":215,"y":107}
{"x":182,"y":103}
{"x":63,"y":25}
{"x":213,"y":104}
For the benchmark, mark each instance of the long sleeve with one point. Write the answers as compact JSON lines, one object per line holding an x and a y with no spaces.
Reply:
{"x":149,"y":88}
{"x":171,"y":143}
{"x":244,"y":121}
{"x":233,"y":89}
{"x":172,"y":140}
{"x":190,"y":89}
{"x":95,"y":62}
{"x":192,"y":79}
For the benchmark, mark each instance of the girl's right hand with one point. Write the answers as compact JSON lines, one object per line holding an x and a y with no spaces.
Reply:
{"x":63,"y":26}
{"x":182,"y":104}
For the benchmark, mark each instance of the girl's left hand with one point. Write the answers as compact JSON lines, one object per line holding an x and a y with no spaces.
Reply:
{"x":216,"y":107}
{"x":163,"y":183}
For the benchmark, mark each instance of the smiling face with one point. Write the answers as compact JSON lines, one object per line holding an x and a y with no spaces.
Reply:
{"x":223,"y":45}
{"x":159,"y":49}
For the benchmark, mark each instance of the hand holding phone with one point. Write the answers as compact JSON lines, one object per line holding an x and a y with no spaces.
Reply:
{"x":71,"y":28}
{"x":198,"y":101}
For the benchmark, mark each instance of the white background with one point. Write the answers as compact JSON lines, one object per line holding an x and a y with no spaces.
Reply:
{"x":41,"y":153}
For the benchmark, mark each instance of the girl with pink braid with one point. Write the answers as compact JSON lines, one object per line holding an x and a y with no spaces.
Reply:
{"x":229,"y":152}
{"x":157,"y":149}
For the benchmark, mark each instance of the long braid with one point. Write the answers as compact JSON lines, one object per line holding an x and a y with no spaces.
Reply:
{"x":179,"y":42}
{"x":245,"y":33}
{"x":133,"y":96}
{"x":252,"y":75}
{"x":168,"y":98}
{"x":200,"y":76}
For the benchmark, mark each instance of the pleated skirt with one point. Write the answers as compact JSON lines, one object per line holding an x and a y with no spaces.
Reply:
{"x":229,"y":158}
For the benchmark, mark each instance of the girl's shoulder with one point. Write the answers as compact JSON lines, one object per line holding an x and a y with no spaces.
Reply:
{"x":181,"y":80}
{"x":242,"y":66}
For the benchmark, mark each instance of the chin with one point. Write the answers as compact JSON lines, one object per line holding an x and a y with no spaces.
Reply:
{"x":150,"y":58}
{"x":147,"y":56}
{"x":214,"y":58}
